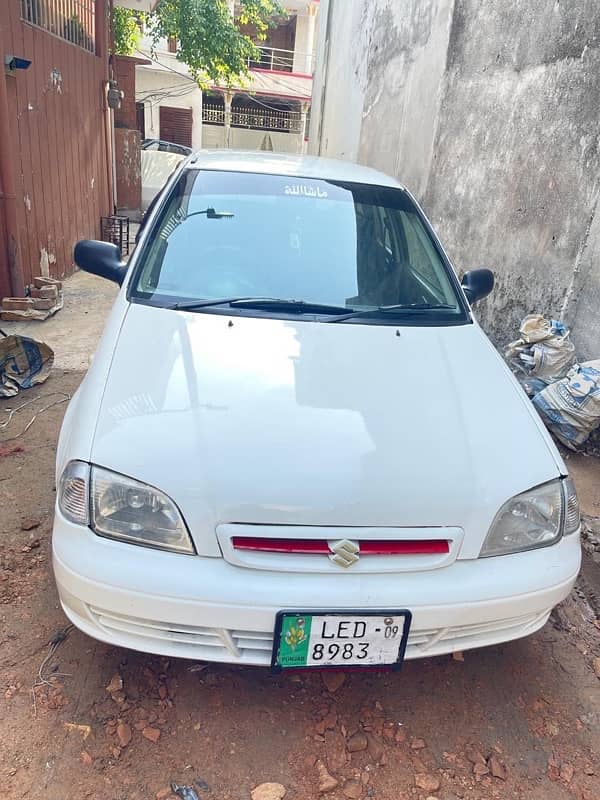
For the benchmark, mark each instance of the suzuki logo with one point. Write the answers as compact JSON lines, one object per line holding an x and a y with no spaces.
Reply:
{"x":344,"y":553}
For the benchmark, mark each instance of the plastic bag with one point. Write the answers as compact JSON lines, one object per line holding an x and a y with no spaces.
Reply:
{"x":23,"y":363}
{"x":570,"y":407}
{"x":542,"y":355}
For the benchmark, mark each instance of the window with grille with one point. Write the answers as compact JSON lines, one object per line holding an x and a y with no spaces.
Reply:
{"x":72,"y":20}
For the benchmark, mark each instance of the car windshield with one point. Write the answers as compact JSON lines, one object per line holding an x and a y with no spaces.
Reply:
{"x":346,"y":246}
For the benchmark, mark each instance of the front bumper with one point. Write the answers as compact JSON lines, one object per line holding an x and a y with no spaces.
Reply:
{"x":207,"y":609}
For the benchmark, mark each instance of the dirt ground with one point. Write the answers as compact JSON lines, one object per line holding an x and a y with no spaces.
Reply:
{"x":79,"y":719}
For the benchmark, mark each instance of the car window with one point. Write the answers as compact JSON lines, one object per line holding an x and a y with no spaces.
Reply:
{"x":421,"y":253}
{"x":224,"y":234}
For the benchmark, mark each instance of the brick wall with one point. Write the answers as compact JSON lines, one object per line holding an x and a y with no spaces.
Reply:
{"x":124,"y":72}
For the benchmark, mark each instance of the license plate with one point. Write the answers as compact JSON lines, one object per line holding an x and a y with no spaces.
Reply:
{"x":321,"y":639}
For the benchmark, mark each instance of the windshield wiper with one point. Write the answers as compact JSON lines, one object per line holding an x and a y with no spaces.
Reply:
{"x":268,"y":303}
{"x":295,"y":306}
{"x":416,"y":306}
{"x":192,"y":305}
{"x":401,"y":309}
{"x":339,"y":313}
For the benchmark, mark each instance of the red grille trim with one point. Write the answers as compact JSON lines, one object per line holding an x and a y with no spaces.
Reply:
{"x":406,"y":547}
{"x":264,"y":545}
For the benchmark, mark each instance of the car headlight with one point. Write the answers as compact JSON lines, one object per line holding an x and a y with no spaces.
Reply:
{"x":122,"y":508}
{"x":536,"y":518}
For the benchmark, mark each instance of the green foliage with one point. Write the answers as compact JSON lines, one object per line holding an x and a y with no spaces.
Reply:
{"x":126,"y":30}
{"x":210,"y":42}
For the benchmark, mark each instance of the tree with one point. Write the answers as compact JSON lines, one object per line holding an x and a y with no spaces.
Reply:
{"x":209,"y":39}
{"x":126,"y":30}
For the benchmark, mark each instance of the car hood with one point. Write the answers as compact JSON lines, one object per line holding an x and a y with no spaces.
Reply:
{"x":265,"y":421}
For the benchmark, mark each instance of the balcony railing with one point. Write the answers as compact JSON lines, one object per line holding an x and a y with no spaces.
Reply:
{"x":288,"y":121}
{"x":213,"y":115}
{"x":73,"y":20}
{"x":274,"y":59}
{"x":258,"y":119}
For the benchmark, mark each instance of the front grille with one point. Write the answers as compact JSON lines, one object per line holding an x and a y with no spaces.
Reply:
{"x":254,"y":647}
{"x":315,"y":549}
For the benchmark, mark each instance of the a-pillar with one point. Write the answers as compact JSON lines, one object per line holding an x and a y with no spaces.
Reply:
{"x":228,"y":100}
{"x":306,"y":25}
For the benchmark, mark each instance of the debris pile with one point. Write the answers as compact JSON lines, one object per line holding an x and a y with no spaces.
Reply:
{"x":24,"y":362}
{"x":565,"y":393}
{"x":590,"y":536}
{"x":44,"y":299}
{"x":543,"y":353}
{"x":571,"y":407}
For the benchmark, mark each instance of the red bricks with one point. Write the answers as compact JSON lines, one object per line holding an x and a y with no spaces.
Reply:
{"x":17,"y":303}
{"x":17,"y":316}
{"x":46,"y":298}
{"x":40,"y":282}
{"x":44,"y":303}
{"x":47,"y":292}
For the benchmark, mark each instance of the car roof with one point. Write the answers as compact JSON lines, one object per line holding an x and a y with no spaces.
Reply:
{"x":288,"y":164}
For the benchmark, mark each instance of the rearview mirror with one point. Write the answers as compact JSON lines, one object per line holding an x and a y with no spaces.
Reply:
{"x":477,"y":284}
{"x":100,"y":258}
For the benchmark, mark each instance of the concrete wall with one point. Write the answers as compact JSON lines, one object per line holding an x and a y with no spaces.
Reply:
{"x":340,"y":81}
{"x":304,"y":43}
{"x":129,"y":169}
{"x":488,"y":112}
{"x":213,"y":136}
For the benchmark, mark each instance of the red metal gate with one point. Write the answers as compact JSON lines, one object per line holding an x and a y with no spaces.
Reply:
{"x":176,"y":125}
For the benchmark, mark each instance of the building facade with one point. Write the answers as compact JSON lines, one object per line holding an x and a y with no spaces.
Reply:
{"x":488,"y":112}
{"x":269,"y":111}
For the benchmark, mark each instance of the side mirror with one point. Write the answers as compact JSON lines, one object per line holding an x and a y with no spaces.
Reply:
{"x":100,"y":258}
{"x":477,"y":284}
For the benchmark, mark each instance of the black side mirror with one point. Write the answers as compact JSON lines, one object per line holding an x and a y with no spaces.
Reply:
{"x":100,"y":258}
{"x":477,"y":284}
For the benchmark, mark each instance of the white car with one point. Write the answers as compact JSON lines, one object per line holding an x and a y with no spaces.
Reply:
{"x":295,"y":446}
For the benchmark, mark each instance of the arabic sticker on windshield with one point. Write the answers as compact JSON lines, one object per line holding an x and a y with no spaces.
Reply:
{"x":305,"y":190}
